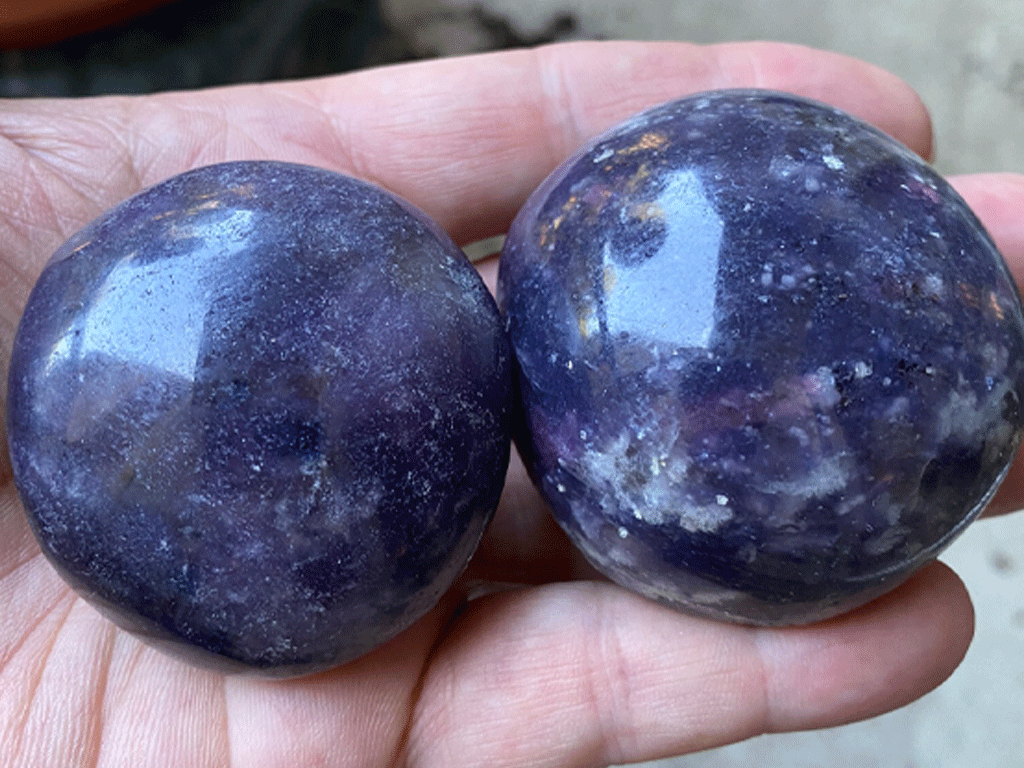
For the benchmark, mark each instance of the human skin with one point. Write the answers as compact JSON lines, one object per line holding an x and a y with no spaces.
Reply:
{"x":548,"y":665}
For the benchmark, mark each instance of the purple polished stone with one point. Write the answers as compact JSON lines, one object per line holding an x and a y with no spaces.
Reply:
{"x":259,"y":414}
{"x":770,"y":362}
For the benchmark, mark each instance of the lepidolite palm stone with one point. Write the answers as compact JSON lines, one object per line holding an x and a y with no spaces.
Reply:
{"x":770,"y":362}
{"x":259,"y":414}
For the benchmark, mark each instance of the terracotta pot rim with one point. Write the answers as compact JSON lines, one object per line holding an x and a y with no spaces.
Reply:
{"x":32,"y":23}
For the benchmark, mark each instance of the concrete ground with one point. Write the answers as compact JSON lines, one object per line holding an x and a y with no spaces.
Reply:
{"x":966,"y":58}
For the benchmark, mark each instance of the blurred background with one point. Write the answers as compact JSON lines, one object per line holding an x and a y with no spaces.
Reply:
{"x":965,"y":57}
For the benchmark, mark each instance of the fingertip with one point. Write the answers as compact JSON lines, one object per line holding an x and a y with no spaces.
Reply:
{"x":606,"y":676}
{"x":1010,"y":496}
{"x":997,"y":199}
{"x":870,"y":661}
{"x":863,"y":89}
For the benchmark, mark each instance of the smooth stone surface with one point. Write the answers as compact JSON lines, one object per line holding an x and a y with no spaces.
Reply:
{"x":259,"y":415}
{"x":770,"y":362}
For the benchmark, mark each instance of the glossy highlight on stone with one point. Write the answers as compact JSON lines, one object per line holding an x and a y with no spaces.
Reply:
{"x":770,"y":363}
{"x":259,"y":415}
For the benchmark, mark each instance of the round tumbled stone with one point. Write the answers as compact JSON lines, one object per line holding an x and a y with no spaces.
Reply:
{"x":258,"y":414}
{"x":770,"y":363}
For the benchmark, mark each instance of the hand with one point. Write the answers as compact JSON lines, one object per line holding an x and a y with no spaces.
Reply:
{"x":566,"y":669}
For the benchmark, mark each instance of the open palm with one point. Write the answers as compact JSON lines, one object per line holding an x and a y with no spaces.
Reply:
{"x":561,"y":667}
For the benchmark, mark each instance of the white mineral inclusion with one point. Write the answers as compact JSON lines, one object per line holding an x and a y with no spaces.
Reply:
{"x":645,"y":299}
{"x":662,"y":496}
{"x":833,"y":162}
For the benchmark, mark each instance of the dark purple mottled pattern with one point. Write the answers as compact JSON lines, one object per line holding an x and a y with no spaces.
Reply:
{"x":770,"y":362}
{"x":259,"y":414}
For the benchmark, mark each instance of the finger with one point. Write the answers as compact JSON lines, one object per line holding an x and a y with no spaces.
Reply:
{"x":588,"y":674}
{"x":997,"y":199}
{"x":497,"y":136}
{"x":469,"y":139}
{"x":466,"y":139}
{"x":866,"y":663}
